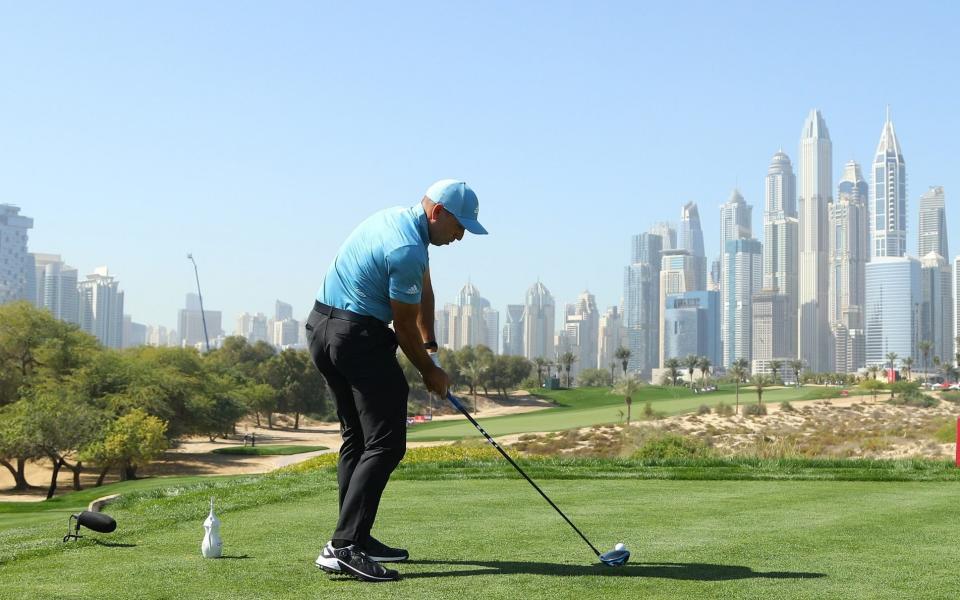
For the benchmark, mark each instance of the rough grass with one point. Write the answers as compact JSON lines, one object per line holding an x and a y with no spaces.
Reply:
{"x":473,"y":538}
{"x":277,"y":450}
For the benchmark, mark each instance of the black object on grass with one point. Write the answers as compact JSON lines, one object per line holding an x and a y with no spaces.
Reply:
{"x":96,"y":521}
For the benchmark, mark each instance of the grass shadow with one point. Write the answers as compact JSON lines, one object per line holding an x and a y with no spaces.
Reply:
{"x":679,"y":571}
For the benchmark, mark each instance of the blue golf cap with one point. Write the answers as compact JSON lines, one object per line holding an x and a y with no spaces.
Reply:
{"x":461,"y":201}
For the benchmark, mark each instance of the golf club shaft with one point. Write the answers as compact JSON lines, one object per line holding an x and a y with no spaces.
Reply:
{"x":459,"y":406}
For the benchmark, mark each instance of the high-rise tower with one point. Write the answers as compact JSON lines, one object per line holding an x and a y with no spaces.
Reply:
{"x":691,"y":240}
{"x":933,"y":223}
{"x":888,"y":224}
{"x":816,"y":158}
{"x":849,"y":254}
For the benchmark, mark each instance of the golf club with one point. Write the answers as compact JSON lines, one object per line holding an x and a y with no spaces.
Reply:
{"x":614,"y":558}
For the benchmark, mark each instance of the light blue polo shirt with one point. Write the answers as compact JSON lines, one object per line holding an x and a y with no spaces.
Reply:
{"x":383,"y":259}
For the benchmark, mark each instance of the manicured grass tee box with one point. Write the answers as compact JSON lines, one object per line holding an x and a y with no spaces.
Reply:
{"x":479,"y":538}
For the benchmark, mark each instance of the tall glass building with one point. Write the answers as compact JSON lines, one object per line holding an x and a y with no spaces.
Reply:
{"x":889,"y":196}
{"x":892,"y":308}
{"x":691,"y":326}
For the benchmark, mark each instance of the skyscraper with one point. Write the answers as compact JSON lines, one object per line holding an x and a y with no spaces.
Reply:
{"x":678,"y":274}
{"x":513,"y":331}
{"x":743,"y":273}
{"x":609,"y":339}
{"x":641,"y":292}
{"x":538,"y":323}
{"x":466,"y":326}
{"x":582,"y":325}
{"x":892,"y":307}
{"x":16,"y":264}
{"x":282,"y":310}
{"x":933,"y":223}
{"x":736,"y":219}
{"x":936,"y":305}
{"x":691,"y":240}
{"x":190,"y":324}
{"x":692,"y":326}
{"x":56,"y":287}
{"x":849,"y":253}
{"x":889,"y":196}
{"x":101,"y":308}
{"x":667,"y":233}
{"x":781,"y":231}
{"x":816,"y":176}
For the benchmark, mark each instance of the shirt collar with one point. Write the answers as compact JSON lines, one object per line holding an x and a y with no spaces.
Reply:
{"x":421,"y":221}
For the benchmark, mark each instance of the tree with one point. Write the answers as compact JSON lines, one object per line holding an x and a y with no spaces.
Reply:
{"x":628,"y":387}
{"x":796,"y":365}
{"x":473,"y":371}
{"x":566,"y":360}
{"x":130,"y":442}
{"x":594,"y":378}
{"x":61,"y":425}
{"x":873,"y":370}
{"x":623,"y":355}
{"x":17,"y":442}
{"x":299,"y":385}
{"x":673,"y":370}
{"x":704,"y":365}
{"x":740,"y":369}
{"x":907,"y":364}
{"x":925,"y":346}
{"x":872,"y":385}
{"x":691,"y":362}
{"x":540,"y":363}
{"x":761,"y":381}
{"x":775,"y":366}
{"x":892,"y":360}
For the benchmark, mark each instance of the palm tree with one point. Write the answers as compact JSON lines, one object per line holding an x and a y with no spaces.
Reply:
{"x":775,"y":366}
{"x":925,"y":346}
{"x":567,"y":359}
{"x":540,"y":363}
{"x":907,"y":364}
{"x":761,"y":381}
{"x":740,"y":369}
{"x":892,"y":360}
{"x":628,"y":388}
{"x":796,"y":365}
{"x":673,"y":370}
{"x":873,"y":370}
{"x":623,"y":355}
{"x":691,"y":362}
{"x":704,"y":365}
{"x":549,"y":365}
{"x":950,"y":372}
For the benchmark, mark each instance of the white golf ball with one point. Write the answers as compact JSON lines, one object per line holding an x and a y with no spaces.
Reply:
{"x":620,"y":546}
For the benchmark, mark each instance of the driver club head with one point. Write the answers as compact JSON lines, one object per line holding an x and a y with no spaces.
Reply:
{"x":615,"y":558}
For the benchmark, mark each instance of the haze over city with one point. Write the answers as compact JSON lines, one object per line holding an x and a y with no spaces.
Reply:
{"x":257,"y":138}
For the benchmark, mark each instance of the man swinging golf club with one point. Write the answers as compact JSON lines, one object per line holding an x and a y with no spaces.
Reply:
{"x":380,"y":274}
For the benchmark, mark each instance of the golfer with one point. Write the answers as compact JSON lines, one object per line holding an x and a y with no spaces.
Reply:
{"x":380,"y":274}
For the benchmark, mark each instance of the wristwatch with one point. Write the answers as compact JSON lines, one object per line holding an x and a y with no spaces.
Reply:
{"x":431,"y":345}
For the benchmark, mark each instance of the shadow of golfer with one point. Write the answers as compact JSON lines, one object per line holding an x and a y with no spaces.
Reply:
{"x":112,"y":544}
{"x":682,"y":571}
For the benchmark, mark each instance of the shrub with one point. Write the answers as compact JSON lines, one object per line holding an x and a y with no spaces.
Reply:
{"x":724,"y":410}
{"x":786,"y":407}
{"x":703,"y":410}
{"x":754,"y":410}
{"x":670,"y":446}
{"x":648,"y":410}
{"x":952,"y":396}
{"x":914,"y":398}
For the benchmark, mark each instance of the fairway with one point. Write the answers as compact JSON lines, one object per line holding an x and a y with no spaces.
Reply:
{"x":584,"y":407}
{"x":483,"y":538}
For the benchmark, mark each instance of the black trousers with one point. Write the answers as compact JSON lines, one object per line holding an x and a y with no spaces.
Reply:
{"x":358,"y":358}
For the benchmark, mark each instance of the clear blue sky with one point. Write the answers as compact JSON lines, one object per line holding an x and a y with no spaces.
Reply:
{"x":256,"y":135}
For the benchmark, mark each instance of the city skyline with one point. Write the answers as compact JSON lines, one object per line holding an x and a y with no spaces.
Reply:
{"x":243,"y":149}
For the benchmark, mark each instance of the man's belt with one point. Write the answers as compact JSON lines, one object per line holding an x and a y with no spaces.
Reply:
{"x":346,"y":315}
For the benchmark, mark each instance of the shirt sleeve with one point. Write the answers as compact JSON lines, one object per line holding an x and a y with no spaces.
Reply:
{"x":405,"y":267}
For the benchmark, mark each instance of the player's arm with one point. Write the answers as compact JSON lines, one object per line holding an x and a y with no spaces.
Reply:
{"x":425,"y":317}
{"x":406,"y":325}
